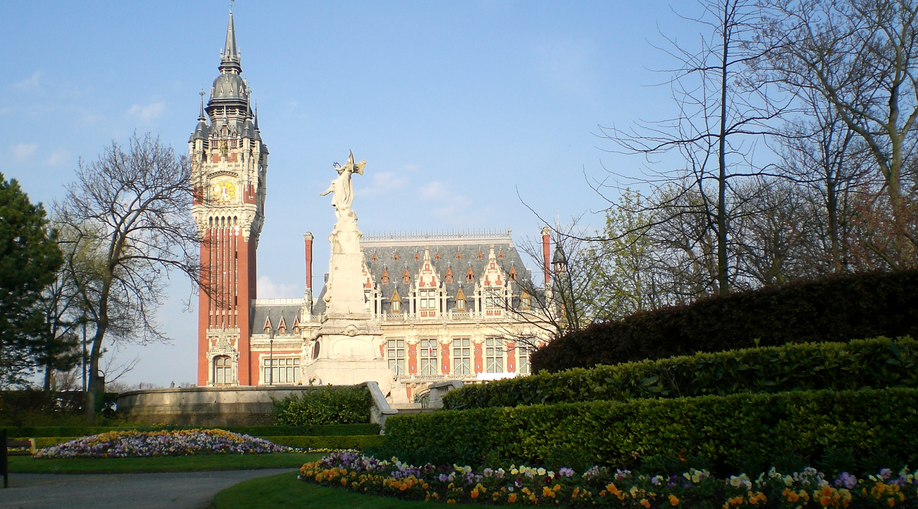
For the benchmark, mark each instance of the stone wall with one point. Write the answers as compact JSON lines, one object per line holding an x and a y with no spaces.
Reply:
{"x":204,"y":406}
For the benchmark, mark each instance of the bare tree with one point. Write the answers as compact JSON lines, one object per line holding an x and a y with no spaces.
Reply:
{"x":777,"y":238}
{"x":820,"y":153}
{"x":862,"y":57}
{"x":566,"y":302}
{"x":722,"y":110}
{"x":58,"y":346}
{"x":130,"y":212}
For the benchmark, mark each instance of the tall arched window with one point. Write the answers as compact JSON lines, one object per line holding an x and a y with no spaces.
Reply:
{"x":223,"y":370}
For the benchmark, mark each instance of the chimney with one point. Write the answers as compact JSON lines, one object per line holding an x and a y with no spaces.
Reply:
{"x":308,"y":238}
{"x":546,"y":254}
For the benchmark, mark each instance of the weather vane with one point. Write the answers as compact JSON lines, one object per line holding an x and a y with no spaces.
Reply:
{"x":231,"y":6}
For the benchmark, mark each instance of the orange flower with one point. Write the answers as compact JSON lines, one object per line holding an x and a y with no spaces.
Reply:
{"x":474,"y":494}
{"x":645,"y":503}
{"x":673,"y":500}
{"x":511,"y":498}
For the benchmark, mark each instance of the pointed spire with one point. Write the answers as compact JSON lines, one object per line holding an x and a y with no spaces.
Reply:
{"x":202,"y":116}
{"x":230,"y":59}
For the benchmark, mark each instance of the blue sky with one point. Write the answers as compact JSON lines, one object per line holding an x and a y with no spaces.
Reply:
{"x":459,"y":108}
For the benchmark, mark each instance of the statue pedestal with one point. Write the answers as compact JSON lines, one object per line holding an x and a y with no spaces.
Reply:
{"x":347,"y":352}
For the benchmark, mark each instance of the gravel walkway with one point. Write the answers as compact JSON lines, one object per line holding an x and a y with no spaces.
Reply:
{"x":178,"y":490}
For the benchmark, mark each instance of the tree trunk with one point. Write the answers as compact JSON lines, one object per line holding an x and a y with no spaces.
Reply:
{"x":95,"y":390}
{"x":723,"y":279}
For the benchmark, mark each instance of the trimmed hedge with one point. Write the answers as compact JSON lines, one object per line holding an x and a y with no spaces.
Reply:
{"x":329,"y":442}
{"x":873,"y":363}
{"x":729,"y":431}
{"x":839,"y":308}
{"x":326,"y":405}
{"x":255,"y":431}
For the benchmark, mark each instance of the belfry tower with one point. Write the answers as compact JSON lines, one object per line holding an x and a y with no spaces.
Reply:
{"x":229,"y":164}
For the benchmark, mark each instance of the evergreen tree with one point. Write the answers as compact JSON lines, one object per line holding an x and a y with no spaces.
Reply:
{"x":29,"y":261}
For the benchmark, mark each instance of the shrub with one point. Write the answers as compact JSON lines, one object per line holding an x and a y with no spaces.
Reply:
{"x":833,"y":309}
{"x":724,"y":430}
{"x":325,"y":405}
{"x":874,"y":363}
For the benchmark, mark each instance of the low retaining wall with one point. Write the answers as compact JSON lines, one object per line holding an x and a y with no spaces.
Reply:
{"x":204,"y":406}
{"x":223,"y":406}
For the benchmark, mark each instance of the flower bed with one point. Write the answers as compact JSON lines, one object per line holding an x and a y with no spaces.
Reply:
{"x":139,"y":444}
{"x":601,"y":487}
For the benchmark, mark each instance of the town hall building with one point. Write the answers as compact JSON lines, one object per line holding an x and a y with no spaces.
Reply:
{"x":446,"y":305}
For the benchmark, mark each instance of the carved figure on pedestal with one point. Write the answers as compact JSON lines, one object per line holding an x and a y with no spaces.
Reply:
{"x":344,"y":190}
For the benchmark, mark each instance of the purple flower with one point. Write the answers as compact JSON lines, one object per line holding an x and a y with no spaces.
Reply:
{"x":847,"y":480}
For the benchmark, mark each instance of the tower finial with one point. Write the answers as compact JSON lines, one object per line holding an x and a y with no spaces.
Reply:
{"x":201,"y":116}
{"x":230,"y":59}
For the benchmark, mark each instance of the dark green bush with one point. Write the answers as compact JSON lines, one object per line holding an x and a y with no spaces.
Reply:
{"x":328,"y":442}
{"x":364,"y":428}
{"x":325,"y":405}
{"x":833,"y":309}
{"x":33,"y":407}
{"x":722,"y":430}
{"x":874,"y":363}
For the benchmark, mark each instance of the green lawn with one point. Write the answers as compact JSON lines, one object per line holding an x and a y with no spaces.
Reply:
{"x":284,"y":491}
{"x":27,"y":464}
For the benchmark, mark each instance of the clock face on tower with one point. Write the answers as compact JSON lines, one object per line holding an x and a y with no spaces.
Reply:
{"x":223,"y":191}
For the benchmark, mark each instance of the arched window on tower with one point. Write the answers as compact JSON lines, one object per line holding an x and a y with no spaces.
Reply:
{"x":223,"y":370}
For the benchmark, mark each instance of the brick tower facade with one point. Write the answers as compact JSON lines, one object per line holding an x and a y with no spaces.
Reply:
{"x":229,"y":167}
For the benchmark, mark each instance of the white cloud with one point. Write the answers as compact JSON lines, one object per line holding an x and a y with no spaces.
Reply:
{"x":148,"y":112}
{"x":267,"y":289}
{"x":385,"y":182}
{"x":30,"y":84}
{"x":448,"y":203}
{"x":57,"y":158}
{"x":23,"y":151}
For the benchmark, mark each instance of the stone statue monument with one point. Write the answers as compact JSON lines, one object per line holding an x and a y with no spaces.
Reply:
{"x":344,"y":191}
{"x":346,"y":349}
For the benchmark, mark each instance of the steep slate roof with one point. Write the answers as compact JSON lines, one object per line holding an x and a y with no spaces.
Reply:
{"x":458,"y":251}
{"x":275,"y":309}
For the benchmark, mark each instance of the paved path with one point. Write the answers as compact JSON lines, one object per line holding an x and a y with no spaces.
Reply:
{"x":168,"y":490}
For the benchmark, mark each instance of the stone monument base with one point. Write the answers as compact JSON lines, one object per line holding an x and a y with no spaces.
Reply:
{"x":353,"y":371}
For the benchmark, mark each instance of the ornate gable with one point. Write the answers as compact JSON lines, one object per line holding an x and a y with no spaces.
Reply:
{"x":427,"y":276}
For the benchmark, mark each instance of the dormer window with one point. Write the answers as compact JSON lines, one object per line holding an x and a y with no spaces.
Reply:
{"x":396,"y":304}
{"x":470,"y":276}
{"x":385,"y":276}
{"x":406,"y":277}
